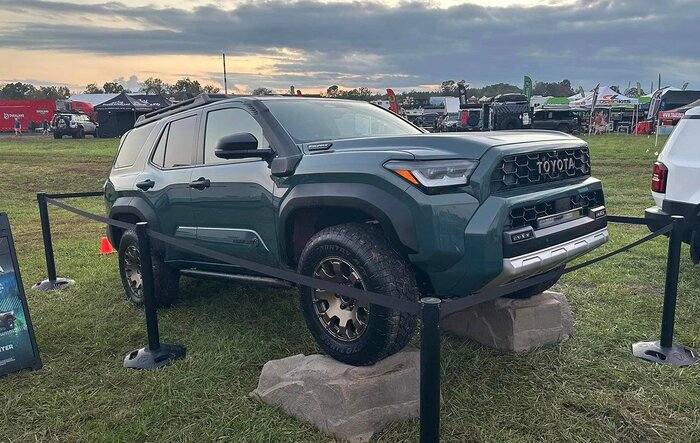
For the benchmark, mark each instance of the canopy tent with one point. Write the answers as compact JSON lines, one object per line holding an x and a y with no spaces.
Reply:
{"x":118,"y":115}
{"x":556,"y":102}
{"x":606,"y":97}
{"x":687,"y":107}
{"x":577,"y":96}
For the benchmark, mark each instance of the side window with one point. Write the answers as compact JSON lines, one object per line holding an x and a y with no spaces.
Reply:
{"x":131,"y":146}
{"x":159,"y":155}
{"x":226,"y":122}
{"x":176,"y":145}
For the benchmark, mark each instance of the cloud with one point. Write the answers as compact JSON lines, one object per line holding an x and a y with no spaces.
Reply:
{"x":365,"y":43}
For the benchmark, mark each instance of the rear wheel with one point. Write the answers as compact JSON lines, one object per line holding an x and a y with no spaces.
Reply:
{"x":166,"y":279}
{"x":57,"y":135}
{"x":349,"y":330}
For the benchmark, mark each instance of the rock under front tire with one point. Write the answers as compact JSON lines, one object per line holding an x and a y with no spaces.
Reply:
{"x":166,"y":279}
{"x":348,"y":330}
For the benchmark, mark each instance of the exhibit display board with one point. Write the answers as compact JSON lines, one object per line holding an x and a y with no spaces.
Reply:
{"x":18,"y":349}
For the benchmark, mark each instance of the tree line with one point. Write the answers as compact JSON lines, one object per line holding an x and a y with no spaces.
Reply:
{"x":182,"y":89}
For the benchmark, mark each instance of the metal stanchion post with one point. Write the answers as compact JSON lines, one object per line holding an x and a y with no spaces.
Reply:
{"x":156,"y":354}
{"x":664,"y":351}
{"x":430,"y":370}
{"x":52,"y":282}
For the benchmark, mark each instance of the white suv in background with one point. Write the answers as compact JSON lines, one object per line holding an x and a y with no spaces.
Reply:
{"x":675,"y":181}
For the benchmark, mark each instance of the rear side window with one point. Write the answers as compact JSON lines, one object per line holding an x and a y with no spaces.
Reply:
{"x":131,"y":146}
{"x":176,"y":145}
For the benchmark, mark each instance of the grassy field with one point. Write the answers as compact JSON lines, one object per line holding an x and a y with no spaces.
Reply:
{"x":589,"y":389}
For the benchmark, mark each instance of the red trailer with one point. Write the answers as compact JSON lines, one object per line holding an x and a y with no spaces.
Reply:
{"x":31,"y":113}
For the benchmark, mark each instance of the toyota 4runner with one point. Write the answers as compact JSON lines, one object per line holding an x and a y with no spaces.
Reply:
{"x":349,"y":192}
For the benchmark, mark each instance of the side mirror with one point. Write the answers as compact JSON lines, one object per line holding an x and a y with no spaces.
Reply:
{"x":240,"y":145}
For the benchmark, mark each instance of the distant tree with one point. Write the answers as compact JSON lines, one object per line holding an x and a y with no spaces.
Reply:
{"x":494,"y":90}
{"x":360,"y":93}
{"x":186,"y":88}
{"x":333,"y":91}
{"x":633,"y":93}
{"x":52,"y":92}
{"x":448,"y":87}
{"x":18,"y":90}
{"x":92,"y":88}
{"x":560,"y":89}
{"x":263,"y":91}
{"x":154,"y":85}
{"x":112,"y":88}
{"x":211,"y":89}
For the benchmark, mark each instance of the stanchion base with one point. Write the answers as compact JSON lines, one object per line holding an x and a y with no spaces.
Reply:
{"x":144,"y":358}
{"x":674,"y":355}
{"x":55,"y":285}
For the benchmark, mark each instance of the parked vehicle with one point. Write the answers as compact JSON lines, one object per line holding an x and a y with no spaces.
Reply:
{"x":73,"y":123}
{"x":675,"y":182}
{"x":351,"y":193}
{"x":7,"y":321}
{"x":563,"y":120}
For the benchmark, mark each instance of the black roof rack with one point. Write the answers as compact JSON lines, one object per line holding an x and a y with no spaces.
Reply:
{"x":200,"y":100}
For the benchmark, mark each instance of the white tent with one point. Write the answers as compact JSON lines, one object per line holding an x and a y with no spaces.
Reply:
{"x":606,"y":97}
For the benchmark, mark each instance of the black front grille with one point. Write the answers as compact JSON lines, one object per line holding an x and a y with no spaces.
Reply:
{"x":527,"y":215}
{"x":536,"y":168}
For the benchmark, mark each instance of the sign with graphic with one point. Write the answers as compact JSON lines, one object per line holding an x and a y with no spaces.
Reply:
{"x":18,"y":349}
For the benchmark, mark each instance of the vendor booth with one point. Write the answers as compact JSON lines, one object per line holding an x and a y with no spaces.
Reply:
{"x":118,"y":115}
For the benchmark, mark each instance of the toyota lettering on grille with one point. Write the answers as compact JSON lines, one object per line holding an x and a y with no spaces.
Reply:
{"x":556,"y":165}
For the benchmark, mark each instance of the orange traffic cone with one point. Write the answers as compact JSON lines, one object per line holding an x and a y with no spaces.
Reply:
{"x":106,"y":246}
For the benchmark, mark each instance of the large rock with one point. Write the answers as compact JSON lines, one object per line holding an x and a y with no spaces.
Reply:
{"x":348,"y":402}
{"x":515,"y":325}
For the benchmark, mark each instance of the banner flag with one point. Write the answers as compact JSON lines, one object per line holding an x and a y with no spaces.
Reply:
{"x":527,"y":87}
{"x":593,"y":103}
{"x":639,"y":89}
{"x":655,"y":104}
{"x":393,"y":106}
{"x":685,"y":86}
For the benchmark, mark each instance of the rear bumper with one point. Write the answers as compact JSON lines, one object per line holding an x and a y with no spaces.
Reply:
{"x":658,"y":217}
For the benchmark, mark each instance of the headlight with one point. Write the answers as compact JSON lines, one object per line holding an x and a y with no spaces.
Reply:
{"x":434,"y":173}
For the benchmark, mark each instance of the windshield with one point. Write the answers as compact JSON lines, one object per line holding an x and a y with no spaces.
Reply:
{"x":319,"y":120}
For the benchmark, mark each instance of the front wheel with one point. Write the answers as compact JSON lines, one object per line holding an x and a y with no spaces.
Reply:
{"x":166,"y":279}
{"x":350,"y":330}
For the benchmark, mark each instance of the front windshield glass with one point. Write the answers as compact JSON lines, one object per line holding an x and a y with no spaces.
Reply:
{"x":320,"y":120}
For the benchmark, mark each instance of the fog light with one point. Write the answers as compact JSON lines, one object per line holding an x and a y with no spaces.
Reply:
{"x":520,"y":236}
{"x":598,"y":212}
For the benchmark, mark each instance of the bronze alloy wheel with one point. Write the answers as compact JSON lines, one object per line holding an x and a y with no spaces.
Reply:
{"x":132,"y":270}
{"x":342,"y":317}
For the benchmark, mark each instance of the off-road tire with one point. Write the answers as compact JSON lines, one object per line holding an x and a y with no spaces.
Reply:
{"x":533,"y":290}
{"x":166,"y":279}
{"x":58,"y":136}
{"x":382,"y":270}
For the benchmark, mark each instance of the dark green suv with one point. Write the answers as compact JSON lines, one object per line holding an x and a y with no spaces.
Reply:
{"x":349,"y":192}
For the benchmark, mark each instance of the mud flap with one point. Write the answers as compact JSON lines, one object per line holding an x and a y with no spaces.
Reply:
{"x":695,"y":247}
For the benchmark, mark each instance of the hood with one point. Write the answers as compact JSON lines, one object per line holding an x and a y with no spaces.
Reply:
{"x":436,"y":146}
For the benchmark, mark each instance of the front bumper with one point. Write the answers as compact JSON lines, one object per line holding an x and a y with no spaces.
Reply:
{"x":537,"y":262}
{"x":463,"y":246}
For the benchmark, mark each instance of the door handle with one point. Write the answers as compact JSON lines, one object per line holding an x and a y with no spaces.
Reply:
{"x":200,"y":183}
{"x":146,"y":184}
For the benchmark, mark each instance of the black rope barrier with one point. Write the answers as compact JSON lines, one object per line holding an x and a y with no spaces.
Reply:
{"x":430,"y":309}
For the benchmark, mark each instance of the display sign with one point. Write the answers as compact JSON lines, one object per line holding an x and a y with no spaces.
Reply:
{"x":18,"y":349}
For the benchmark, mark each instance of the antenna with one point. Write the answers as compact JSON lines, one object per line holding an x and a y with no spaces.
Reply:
{"x":223,"y":56}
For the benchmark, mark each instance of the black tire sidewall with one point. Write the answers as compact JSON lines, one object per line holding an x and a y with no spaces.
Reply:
{"x":376,"y":342}
{"x":165,"y":279}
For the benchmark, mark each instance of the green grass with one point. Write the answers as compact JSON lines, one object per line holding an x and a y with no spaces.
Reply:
{"x":588,"y":389}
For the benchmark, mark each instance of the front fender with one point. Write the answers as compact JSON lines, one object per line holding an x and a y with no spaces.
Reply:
{"x":393,"y":216}
{"x":134,"y":208}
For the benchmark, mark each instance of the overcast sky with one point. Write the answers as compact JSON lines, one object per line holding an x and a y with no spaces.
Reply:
{"x":315,"y":43}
